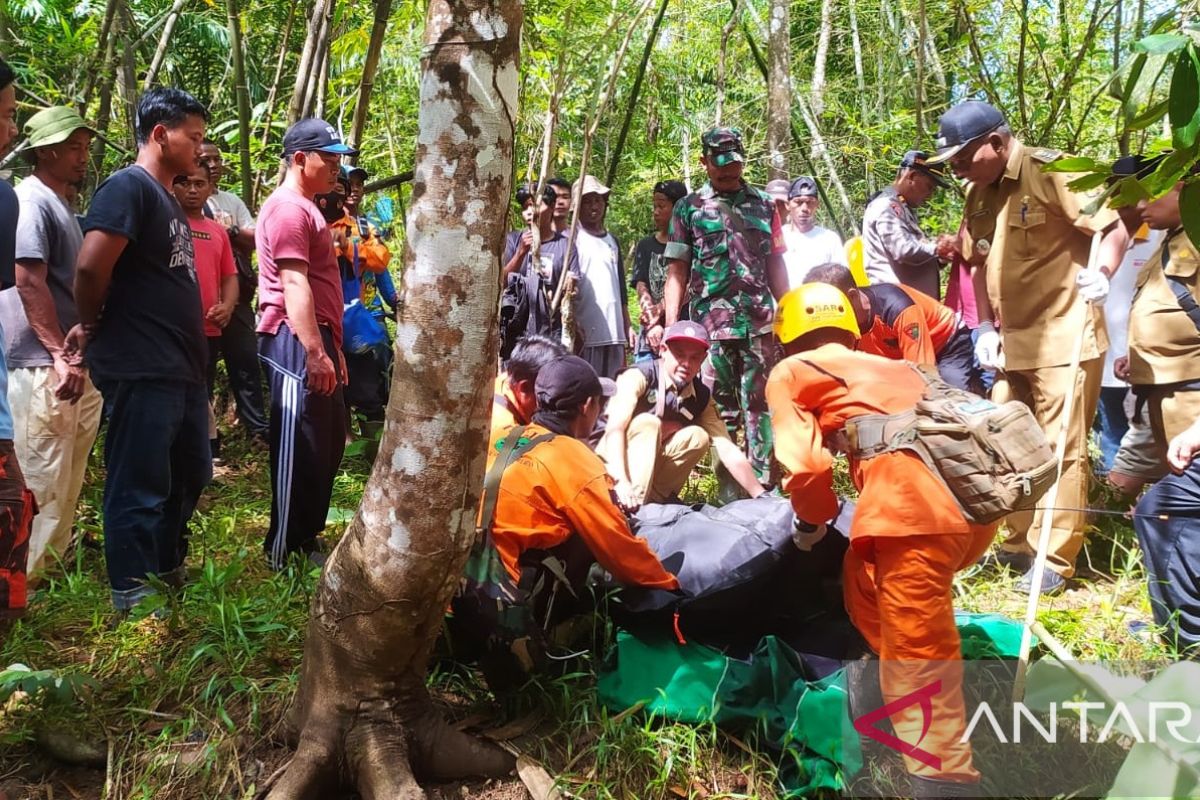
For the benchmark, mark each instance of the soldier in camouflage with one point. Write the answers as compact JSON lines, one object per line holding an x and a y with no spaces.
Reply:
{"x":725,"y":248}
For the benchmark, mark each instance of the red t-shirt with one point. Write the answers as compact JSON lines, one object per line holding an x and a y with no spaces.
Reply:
{"x":214,"y":262}
{"x":291,"y":228}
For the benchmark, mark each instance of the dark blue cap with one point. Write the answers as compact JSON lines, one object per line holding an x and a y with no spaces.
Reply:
{"x":804,"y":186}
{"x":963,"y":124}
{"x":309,"y":135}
{"x":567,"y":382}
{"x":915,"y":159}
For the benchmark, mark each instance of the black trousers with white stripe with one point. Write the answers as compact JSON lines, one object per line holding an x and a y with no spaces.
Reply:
{"x":308,"y":435}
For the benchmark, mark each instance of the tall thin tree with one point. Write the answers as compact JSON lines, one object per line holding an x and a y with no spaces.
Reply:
{"x":362,"y":714}
{"x":779,"y":87}
{"x":383,"y":10}
{"x":242,"y":88}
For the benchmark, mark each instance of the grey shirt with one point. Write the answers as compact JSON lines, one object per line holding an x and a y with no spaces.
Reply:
{"x":895,"y":249}
{"x":47,"y":231}
{"x":229,"y":210}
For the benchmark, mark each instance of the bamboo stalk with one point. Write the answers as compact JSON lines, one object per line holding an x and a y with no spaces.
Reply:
{"x":635,"y":92}
{"x":243,"y":99}
{"x":383,"y":10}
{"x":160,"y":52}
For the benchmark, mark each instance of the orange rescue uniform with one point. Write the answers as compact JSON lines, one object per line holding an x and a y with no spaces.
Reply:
{"x":907,"y":540}
{"x":906,"y":324}
{"x":559,"y":489}
{"x":505,"y":412}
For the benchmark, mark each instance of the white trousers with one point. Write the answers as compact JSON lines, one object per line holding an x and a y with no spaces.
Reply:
{"x":53,"y":439}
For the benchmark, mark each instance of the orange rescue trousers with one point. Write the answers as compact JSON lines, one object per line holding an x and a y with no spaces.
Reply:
{"x":902,"y":604}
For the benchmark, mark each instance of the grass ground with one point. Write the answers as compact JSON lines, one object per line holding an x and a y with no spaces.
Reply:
{"x":187,"y":706}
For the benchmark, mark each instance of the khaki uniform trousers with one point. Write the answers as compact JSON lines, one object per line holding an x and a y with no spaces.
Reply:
{"x":52,"y":439}
{"x":658,"y":469}
{"x":1044,"y":390}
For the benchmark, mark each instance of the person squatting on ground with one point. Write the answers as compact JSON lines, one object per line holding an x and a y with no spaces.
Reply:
{"x":216,"y":275}
{"x":899,"y":322}
{"x":726,"y":254}
{"x":17,"y":506}
{"x":908,"y":537}
{"x":56,"y":409}
{"x":1029,"y":238}
{"x":142,"y":332}
{"x":661,"y":422}
{"x":895,"y":248}
{"x":363,"y":258}
{"x":649,"y":275}
{"x":300,"y":341}
{"x":546,"y":515}
{"x":239,"y":344}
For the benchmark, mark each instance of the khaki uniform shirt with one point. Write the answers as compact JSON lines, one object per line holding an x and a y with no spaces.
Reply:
{"x":1032,"y":232}
{"x":1164,"y":343}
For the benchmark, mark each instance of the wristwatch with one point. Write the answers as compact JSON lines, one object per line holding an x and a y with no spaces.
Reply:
{"x":234,"y":232}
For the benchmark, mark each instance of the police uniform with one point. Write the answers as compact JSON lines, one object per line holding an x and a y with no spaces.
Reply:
{"x":727,"y":240}
{"x":1164,"y":338}
{"x":895,"y":249}
{"x":1031,"y":232}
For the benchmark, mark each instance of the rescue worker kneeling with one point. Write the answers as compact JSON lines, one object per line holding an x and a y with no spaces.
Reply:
{"x":898,"y":322}
{"x":661,"y":422}
{"x":908,"y":537}
{"x":547,"y":514}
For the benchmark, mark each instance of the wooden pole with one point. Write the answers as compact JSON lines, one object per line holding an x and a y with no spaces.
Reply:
{"x":1050,"y":501}
{"x":242,"y":90}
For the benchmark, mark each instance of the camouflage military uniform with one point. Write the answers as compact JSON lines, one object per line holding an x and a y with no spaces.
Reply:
{"x":727,"y":240}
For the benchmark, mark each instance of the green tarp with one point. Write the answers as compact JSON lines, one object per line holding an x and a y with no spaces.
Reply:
{"x":805,"y":720}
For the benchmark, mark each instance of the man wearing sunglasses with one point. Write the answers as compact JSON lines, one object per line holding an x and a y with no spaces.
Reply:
{"x":1029,"y":237}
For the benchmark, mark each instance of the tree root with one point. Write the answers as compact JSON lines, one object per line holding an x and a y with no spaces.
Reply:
{"x":380,"y":753}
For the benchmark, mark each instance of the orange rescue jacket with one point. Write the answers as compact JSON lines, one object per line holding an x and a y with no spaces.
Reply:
{"x":811,"y":396}
{"x":906,"y":324}
{"x":558,"y":489}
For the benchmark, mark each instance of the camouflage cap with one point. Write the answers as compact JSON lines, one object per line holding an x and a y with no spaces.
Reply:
{"x":724,"y":145}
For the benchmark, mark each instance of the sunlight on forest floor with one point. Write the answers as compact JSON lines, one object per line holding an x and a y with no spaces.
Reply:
{"x":189,"y":706}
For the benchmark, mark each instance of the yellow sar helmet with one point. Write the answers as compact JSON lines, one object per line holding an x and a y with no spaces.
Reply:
{"x":811,"y":306}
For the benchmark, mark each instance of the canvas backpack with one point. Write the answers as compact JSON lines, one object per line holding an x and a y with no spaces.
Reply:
{"x":993,"y":458}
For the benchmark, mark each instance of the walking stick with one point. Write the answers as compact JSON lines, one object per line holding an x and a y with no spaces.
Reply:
{"x":1051,"y":498}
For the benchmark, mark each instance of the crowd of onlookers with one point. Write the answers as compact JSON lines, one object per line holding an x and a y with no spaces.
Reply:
{"x":125,"y":312}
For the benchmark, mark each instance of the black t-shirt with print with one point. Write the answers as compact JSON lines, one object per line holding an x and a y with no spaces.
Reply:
{"x":151,"y":326}
{"x":649,"y":266}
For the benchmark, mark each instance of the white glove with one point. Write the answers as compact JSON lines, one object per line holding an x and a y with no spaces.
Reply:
{"x":987,"y":348}
{"x":803,"y":537}
{"x":1093,"y":285}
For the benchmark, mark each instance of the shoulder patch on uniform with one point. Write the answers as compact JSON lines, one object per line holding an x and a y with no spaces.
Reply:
{"x":1046,"y":154}
{"x":913,"y":331}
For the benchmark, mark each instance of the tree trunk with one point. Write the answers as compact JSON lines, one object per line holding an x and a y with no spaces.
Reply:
{"x":779,"y":88}
{"x":243,"y":99}
{"x":919,"y":112}
{"x":129,"y":92}
{"x":818,"y":74}
{"x":861,"y":84}
{"x":160,"y":52}
{"x":269,"y":114}
{"x":383,"y":10}
{"x":308,"y":58}
{"x":722,"y":59}
{"x":103,"y":51}
{"x":634,"y":93}
{"x":314,"y":94}
{"x":316,"y":104}
{"x":362,"y":713}
{"x":108,"y":77}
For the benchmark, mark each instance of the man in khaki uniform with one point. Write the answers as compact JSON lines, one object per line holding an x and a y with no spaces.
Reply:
{"x":661,"y":422}
{"x":1164,"y":325}
{"x":1029,"y":236}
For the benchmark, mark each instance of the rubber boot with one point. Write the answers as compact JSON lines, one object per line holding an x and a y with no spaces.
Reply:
{"x":920,"y":788}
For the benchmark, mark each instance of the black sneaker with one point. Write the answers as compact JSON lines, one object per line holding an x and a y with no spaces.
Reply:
{"x":1007,"y":559}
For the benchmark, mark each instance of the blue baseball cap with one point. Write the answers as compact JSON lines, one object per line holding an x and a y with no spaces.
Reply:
{"x":314,"y":135}
{"x":963,"y":124}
